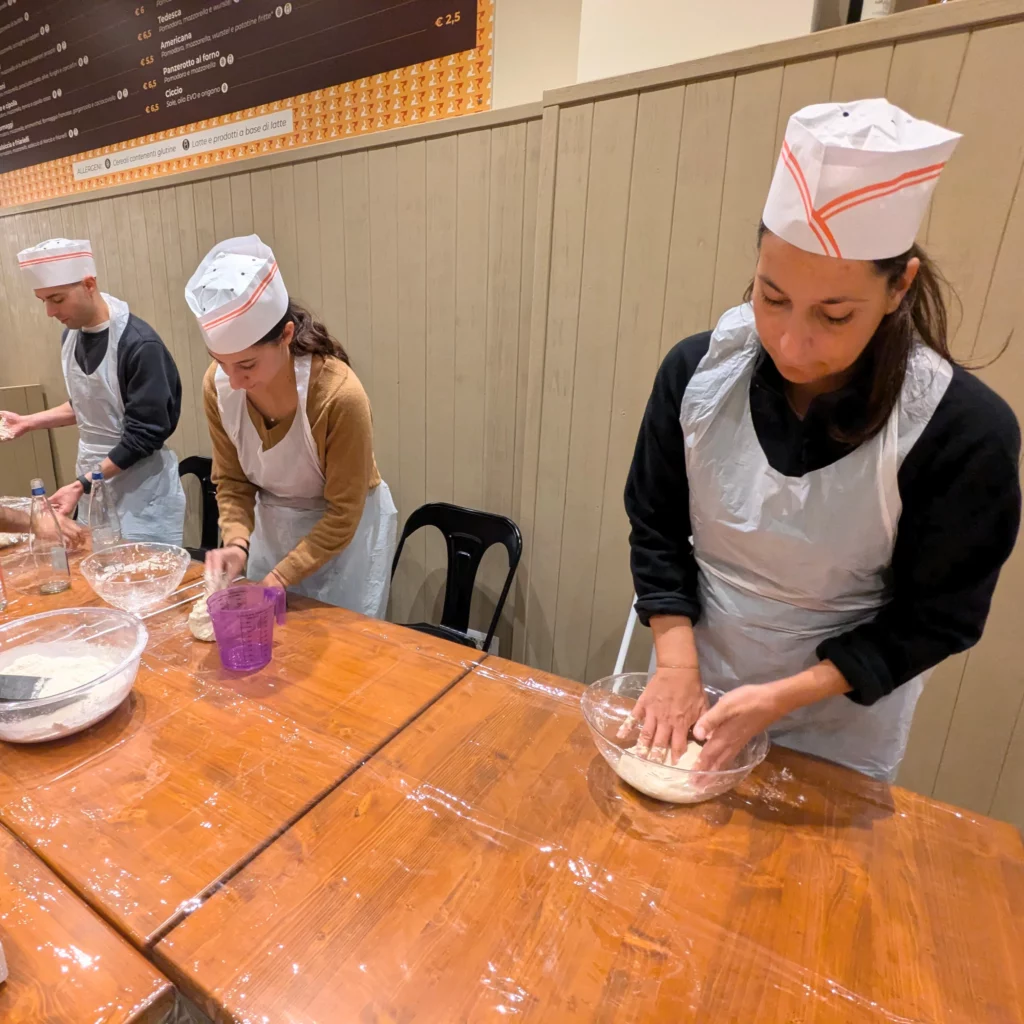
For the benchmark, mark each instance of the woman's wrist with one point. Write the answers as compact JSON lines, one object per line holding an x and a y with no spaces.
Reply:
{"x":674,"y":643}
{"x":808,"y":687}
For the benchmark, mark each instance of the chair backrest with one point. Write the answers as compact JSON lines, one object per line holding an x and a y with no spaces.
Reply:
{"x":468,"y":533}
{"x":202,"y":468}
{"x":627,"y":636}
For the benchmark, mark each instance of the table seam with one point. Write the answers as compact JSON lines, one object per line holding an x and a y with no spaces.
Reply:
{"x":232,"y":872}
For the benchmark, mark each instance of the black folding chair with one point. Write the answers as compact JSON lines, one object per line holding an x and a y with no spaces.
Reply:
{"x":202,"y":468}
{"x":468,"y":534}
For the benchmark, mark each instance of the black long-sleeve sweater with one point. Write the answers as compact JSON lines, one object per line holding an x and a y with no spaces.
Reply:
{"x":149,"y":384}
{"x":959,"y":487}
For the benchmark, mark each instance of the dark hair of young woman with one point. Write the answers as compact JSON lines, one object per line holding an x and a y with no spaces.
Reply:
{"x":920,"y":316}
{"x":311,"y":337}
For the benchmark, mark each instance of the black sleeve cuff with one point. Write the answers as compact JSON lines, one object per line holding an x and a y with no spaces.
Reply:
{"x":124,"y":458}
{"x":862,"y":666}
{"x":652,"y":605}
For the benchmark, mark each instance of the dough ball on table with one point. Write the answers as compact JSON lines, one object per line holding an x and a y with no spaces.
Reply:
{"x":200,"y":623}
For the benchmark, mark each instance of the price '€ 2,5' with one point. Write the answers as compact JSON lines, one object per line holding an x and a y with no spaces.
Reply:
{"x":448,"y":19}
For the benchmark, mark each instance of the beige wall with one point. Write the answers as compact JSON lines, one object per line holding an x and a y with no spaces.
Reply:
{"x":617,"y":38}
{"x":536,"y":43}
{"x":31,"y":455}
{"x":507,"y":284}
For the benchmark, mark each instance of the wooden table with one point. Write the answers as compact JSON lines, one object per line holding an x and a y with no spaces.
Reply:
{"x":65,"y":964}
{"x":488,"y":863}
{"x":200,"y":768}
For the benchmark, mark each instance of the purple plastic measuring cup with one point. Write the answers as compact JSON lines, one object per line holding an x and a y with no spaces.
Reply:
{"x":243,"y":623}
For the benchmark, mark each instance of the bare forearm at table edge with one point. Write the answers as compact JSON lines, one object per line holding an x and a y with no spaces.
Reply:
{"x":808,"y":687}
{"x":673,"y":641}
{"x":50,"y":419}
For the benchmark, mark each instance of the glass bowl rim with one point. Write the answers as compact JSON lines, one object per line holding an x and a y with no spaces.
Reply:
{"x":759,"y":741}
{"x":87,"y":569}
{"x":126,"y":619}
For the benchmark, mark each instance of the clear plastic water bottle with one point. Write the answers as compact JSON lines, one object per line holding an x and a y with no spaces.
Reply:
{"x":46,"y":542}
{"x":103,"y":522}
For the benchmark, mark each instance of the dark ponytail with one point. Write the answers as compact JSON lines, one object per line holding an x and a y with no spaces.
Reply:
{"x":311,"y":337}
{"x":921,"y":316}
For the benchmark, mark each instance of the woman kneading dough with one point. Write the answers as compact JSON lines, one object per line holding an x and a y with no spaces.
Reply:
{"x":302,"y":506}
{"x":821,"y":500}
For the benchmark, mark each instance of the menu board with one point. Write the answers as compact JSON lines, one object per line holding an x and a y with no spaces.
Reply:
{"x":104,"y":88}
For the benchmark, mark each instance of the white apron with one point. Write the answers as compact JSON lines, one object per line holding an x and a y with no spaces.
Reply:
{"x":786,"y":562}
{"x":290,"y":502}
{"x":149,"y":497}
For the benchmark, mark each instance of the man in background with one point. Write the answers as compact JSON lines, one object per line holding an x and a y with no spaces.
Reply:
{"x":124,"y":395}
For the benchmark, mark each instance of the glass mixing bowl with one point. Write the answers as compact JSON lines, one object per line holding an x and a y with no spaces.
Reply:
{"x":103,"y":644}
{"x":607,"y":705}
{"x":136,"y":576}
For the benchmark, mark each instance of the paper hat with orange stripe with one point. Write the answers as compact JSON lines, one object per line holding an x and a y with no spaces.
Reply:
{"x":854,"y":179}
{"x":56,"y":262}
{"x":237,"y":294}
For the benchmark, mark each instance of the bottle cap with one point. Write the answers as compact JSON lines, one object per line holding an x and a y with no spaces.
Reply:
{"x":38,"y":488}
{"x":97,"y":474}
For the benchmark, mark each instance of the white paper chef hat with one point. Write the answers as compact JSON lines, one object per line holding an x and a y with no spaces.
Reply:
{"x":56,"y":262}
{"x":237,"y":294}
{"x":854,"y":179}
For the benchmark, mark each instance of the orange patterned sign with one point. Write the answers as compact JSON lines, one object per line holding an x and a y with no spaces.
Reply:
{"x":441,"y":88}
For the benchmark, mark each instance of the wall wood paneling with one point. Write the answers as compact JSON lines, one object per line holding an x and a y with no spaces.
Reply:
{"x":417,"y":252}
{"x":507,"y":284}
{"x":652,"y":236}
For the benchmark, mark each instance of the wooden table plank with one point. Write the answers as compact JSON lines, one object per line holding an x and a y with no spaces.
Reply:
{"x":200,"y":767}
{"x":488,"y":862}
{"x":66,"y":966}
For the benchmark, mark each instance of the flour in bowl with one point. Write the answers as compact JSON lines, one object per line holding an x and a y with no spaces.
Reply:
{"x":63,"y":671}
{"x":659,"y":780}
{"x":60,"y":672}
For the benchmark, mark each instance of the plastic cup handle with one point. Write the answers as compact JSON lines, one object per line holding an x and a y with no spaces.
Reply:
{"x":280,"y":601}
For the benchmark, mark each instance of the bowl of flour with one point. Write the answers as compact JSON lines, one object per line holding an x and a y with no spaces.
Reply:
{"x":87,"y":658}
{"x":608,"y":704}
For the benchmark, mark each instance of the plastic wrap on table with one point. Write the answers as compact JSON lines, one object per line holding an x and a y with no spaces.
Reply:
{"x":147,"y":812}
{"x":66,"y":964}
{"x":489,"y":864}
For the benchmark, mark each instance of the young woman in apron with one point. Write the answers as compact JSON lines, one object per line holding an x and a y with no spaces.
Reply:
{"x":820,"y":500}
{"x":302,"y":506}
